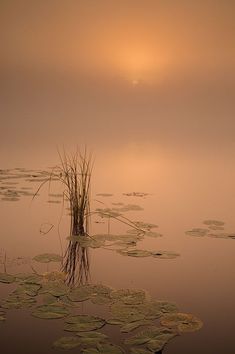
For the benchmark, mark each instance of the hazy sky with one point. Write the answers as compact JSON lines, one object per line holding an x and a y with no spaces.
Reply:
{"x":115,"y":72}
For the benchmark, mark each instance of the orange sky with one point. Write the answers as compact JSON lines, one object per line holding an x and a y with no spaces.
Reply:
{"x":105,"y":71}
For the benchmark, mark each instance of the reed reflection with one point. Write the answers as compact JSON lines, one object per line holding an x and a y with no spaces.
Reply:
{"x":76,"y":264}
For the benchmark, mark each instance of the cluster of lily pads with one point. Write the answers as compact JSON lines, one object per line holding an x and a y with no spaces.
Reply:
{"x":212,"y":228}
{"x":11,"y":178}
{"x":47,"y":296}
{"x":125,"y":244}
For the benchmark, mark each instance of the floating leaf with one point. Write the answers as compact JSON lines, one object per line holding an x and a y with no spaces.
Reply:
{"x":55,"y":288}
{"x":165,"y":254}
{"x":156,"y":337}
{"x":126,"y":313}
{"x":128,"y":327}
{"x":128,"y":207}
{"x":140,"y":351}
{"x":90,"y":351}
{"x":183,"y":322}
{"x":50,"y":312}
{"x":18,"y":301}
{"x":48,"y":257}
{"x":29,"y":278}
{"x":83,"y":323}
{"x":109,"y":349}
{"x":88,"y":338}
{"x":134,"y":253}
{"x":144,"y":225}
{"x":153,"y":234}
{"x":198,"y":232}
{"x":129,"y":296}
{"x":81,"y":293}
{"x":213,"y":222}
{"x":222,"y":235}
{"x":28,"y":289}
{"x":67,"y":342}
{"x":6,"y":278}
{"x":215,"y":228}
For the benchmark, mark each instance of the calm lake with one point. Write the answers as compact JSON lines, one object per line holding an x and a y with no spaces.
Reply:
{"x":194,"y":270}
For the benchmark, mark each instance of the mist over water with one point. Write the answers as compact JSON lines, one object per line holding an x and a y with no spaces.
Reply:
{"x":149,"y":88}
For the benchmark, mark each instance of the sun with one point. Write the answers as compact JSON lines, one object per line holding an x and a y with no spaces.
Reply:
{"x":135,"y":82}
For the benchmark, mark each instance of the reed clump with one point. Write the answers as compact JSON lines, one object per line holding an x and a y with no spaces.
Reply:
{"x":74,"y":172}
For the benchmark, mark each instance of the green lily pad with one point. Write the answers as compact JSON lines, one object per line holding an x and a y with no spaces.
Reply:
{"x":153,"y":234}
{"x":55,"y":288}
{"x":29,"y":278}
{"x":50,"y":312}
{"x":90,"y":351}
{"x":28,"y":289}
{"x":92,"y":338}
{"x":198,"y":232}
{"x":67,"y":342}
{"x":85,"y":241}
{"x":155,"y":337}
{"x":165,"y":254}
{"x":47,"y":258}
{"x":83,"y":323}
{"x":126,"y":313}
{"x":129,"y":296}
{"x":128,"y":327}
{"x":183,"y":322}
{"x":128,"y":207}
{"x":49,"y":299}
{"x":18,"y":301}
{"x":6,"y":278}
{"x":222,"y":235}
{"x":216,"y":228}
{"x":213,"y":222}
{"x":81,"y":293}
{"x":134,"y":253}
{"x":144,"y":225}
{"x":140,"y":351}
{"x":109,"y":349}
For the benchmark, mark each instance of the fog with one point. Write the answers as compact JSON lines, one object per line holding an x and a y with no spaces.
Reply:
{"x":154,"y":74}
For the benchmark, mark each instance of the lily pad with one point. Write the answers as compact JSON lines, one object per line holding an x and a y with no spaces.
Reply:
{"x":50,"y":312}
{"x":155,"y":337}
{"x":89,"y":338}
{"x":18,"y":301}
{"x":67,"y":342}
{"x":126,"y":313}
{"x":140,"y":351}
{"x":55,"y":288}
{"x":129,"y":296}
{"x":6,"y":278}
{"x":29,"y":278}
{"x":153,"y":234}
{"x":198,"y":232}
{"x":183,"y":322}
{"x":165,"y":254}
{"x":90,"y":351}
{"x":214,"y":222}
{"x":222,"y":235}
{"x":83,"y":323}
{"x":47,"y":258}
{"x":28,"y":289}
{"x":81,"y":293}
{"x":144,"y":225}
{"x":134,"y":253}
{"x":128,"y":327}
{"x":109,"y":349}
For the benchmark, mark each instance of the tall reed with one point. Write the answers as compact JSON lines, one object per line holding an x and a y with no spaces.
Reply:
{"x":74,"y":172}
